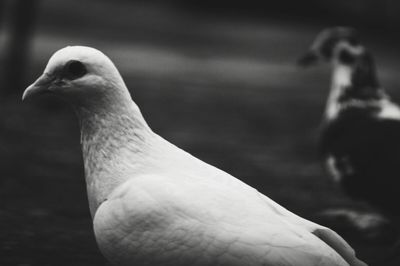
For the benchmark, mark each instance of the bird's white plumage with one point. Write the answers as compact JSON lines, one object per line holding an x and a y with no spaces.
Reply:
{"x":340,"y":80}
{"x":154,"y":204}
{"x":331,"y":165}
{"x":389,"y":110}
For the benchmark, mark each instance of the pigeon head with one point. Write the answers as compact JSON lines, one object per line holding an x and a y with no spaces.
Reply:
{"x":81,"y":75}
{"x":339,"y":44}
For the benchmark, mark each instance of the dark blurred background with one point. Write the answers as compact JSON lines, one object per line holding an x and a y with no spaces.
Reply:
{"x":217,"y":78}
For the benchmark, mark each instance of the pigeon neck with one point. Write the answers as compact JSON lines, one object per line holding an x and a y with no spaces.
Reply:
{"x":353,"y":84}
{"x":108,"y":137}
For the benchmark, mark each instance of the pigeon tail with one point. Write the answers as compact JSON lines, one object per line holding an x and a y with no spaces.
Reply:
{"x":338,"y":244}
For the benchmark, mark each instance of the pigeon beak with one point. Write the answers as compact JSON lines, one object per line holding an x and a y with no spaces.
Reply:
{"x":308,"y":59}
{"x":40,"y":86}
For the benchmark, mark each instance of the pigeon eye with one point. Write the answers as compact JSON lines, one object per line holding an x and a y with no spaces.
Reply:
{"x":74,"y":69}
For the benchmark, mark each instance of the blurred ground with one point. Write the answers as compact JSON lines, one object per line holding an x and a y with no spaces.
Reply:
{"x":226,"y":90}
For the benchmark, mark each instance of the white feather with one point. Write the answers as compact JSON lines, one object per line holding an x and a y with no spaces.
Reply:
{"x":389,"y":110}
{"x":341,"y":79}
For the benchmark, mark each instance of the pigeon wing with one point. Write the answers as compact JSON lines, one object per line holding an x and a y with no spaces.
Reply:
{"x":185,"y":220}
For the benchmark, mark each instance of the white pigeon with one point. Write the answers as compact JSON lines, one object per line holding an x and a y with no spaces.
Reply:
{"x":155,"y":204}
